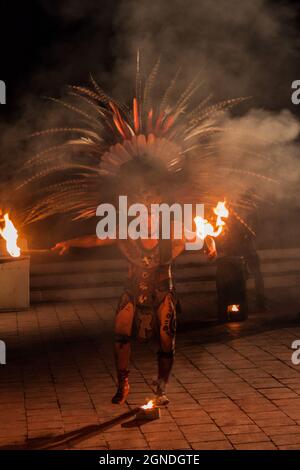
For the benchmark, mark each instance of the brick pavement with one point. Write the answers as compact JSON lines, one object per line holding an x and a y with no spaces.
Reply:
{"x":231,"y":389}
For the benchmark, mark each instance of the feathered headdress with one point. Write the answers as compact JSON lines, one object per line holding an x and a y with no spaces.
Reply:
{"x":170,"y":144}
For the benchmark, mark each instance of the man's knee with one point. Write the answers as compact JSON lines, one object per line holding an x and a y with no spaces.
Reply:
{"x":124,"y":316}
{"x":167,"y":319}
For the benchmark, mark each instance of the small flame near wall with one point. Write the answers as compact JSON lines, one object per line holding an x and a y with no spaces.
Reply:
{"x":10,"y":235}
{"x":233,"y":308}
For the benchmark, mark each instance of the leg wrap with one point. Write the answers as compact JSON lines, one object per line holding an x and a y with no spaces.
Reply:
{"x":123,"y":387}
{"x":122,"y":375}
{"x":167,"y":355}
{"x":122,"y":339}
{"x":165,"y":363}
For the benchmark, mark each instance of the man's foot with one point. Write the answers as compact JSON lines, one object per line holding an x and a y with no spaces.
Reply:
{"x":123,"y":388}
{"x":161,"y":398}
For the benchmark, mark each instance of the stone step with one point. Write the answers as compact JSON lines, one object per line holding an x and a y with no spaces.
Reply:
{"x":89,"y":277}
{"x":76,"y":279}
{"x":113,"y":291}
{"x":290,"y":258}
{"x":70,"y":294}
{"x":93,"y":279}
{"x":66,"y":266}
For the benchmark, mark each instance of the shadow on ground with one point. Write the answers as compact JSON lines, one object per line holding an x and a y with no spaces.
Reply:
{"x":72,"y":438}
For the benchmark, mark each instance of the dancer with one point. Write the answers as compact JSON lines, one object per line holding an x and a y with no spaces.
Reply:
{"x":156,"y":151}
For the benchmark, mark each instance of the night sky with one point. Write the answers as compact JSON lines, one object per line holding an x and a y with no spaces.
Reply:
{"x":30,"y":35}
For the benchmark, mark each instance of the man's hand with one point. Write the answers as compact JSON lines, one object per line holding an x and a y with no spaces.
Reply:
{"x":210,"y":247}
{"x":61,"y":247}
{"x":212,"y":253}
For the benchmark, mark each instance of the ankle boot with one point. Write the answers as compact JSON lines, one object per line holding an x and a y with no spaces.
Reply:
{"x":165,"y":362}
{"x":161,"y":398}
{"x":123,"y":387}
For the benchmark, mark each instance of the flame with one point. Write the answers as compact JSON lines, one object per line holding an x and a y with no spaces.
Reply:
{"x":221,"y":211}
{"x":10,"y":235}
{"x":233,"y":308}
{"x":148,"y":405}
{"x":204,"y":228}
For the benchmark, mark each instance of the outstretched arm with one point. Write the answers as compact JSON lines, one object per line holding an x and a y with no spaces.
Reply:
{"x":87,"y":241}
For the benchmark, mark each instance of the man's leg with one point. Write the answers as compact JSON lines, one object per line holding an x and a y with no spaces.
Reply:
{"x":165,"y":357}
{"x":123,"y":328}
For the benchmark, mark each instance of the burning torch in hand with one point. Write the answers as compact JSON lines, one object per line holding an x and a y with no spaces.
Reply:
{"x":206,"y":231}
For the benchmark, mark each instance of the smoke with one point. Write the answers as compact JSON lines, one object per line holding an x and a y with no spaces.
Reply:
{"x":247,"y":48}
{"x":244,"y":48}
{"x":265,"y":142}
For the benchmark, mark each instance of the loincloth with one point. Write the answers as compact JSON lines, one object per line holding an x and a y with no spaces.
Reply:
{"x":146,"y":290}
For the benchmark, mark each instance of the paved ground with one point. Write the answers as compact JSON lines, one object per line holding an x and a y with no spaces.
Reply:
{"x":232,"y":387}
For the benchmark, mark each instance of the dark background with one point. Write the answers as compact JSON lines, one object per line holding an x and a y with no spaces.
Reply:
{"x":31,"y":37}
{"x":39,"y":37}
